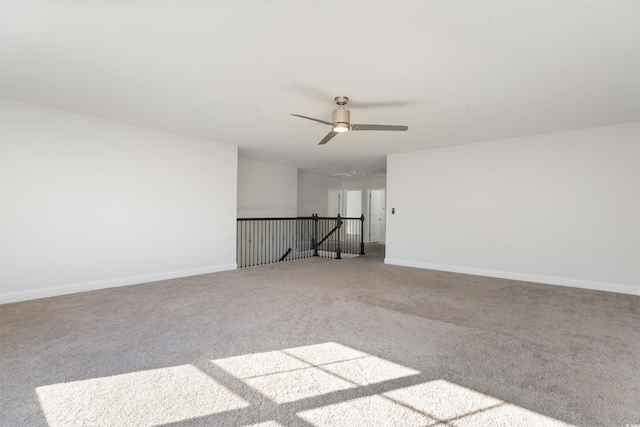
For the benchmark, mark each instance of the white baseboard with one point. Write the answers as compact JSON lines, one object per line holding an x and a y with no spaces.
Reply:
{"x":111,"y":283}
{"x":584,"y":284}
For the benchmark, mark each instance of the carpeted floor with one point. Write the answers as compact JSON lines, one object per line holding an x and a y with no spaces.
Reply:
{"x":321,"y":342}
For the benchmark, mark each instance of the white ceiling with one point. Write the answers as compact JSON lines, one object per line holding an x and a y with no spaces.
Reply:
{"x":233,"y":71}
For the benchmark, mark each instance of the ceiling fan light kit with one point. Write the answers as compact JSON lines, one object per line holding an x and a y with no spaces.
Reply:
{"x":341,"y":119}
{"x":341,"y":127}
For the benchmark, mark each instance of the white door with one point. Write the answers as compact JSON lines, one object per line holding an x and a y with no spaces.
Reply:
{"x":334,"y":202}
{"x":376,"y":216}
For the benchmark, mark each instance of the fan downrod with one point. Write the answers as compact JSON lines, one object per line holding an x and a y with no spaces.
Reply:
{"x":341,"y":100}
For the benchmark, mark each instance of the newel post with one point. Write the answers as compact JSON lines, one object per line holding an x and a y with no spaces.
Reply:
{"x":314,"y":239}
{"x":362,"y":234}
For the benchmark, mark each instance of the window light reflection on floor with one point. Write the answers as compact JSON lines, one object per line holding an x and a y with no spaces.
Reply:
{"x":312,"y":371}
{"x":299,"y":373}
{"x":266,"y":424}
{"x":433,"y":403}
{"x":326,"y":384}
{"x":157,"y":396}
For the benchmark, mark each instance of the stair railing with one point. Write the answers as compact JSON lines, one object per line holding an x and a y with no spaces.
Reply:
{"x":269,"y":240}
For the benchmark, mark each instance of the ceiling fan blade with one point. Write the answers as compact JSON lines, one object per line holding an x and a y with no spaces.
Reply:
{"x":380,"y":104}
{"x":310,"y":91}
{"x":327,"y":138}
{"x":315,"y":120}
{"x":378,"y":127}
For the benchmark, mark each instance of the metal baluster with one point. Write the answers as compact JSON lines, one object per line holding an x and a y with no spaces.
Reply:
{"x":244,"y":244}
{"x":262,"y":227}
{"x":271,"y":250}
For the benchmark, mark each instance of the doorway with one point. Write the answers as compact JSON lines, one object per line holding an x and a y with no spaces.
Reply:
{"x":334,"y":203}
{"x":354,"y":209}
{"x":377,"y":215}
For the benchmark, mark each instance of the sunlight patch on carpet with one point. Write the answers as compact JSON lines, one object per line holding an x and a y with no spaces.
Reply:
{"x":259,"y":364}
{"x":460,"y":406}
{"x":157,"y":396}
{"x":369,"y":370}
{"x":266,"y":424}
{"x":326,"y":384}
{"x":433,"y":403}
{"x":443,"y":400}
{"x":511,"y":415}
{"x":310,"y":371}
{"x":315,"y":371}
{"x":366,"y":411}
{"x":328,"y":352}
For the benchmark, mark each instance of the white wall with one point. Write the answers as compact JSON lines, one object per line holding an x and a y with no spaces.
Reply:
{"x":89,"y":203}
{"x":266,"y":190}
{"x":313,"y":194}
{"x":365,"y":184}
{"x":354,"y":202}
{"x":560,"y":208}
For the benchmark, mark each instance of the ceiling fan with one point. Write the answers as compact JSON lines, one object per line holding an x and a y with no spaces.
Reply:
{"x":358,"y":174}
{"x":352,"y":173}
{"x":340,"y":121}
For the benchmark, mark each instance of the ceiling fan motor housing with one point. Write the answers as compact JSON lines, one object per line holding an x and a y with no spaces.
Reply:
{"x":340,"y":115}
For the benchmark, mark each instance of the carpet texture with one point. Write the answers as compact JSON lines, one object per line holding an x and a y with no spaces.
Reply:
{"x":320,"y":342}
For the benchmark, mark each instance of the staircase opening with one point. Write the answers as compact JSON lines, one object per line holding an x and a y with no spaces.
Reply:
{"x":269,"y":240}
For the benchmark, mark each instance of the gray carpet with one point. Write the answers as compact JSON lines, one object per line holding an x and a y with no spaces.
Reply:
{"x":320,"y":342}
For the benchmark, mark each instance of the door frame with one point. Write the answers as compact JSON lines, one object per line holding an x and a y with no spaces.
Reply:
{"x":383,"y":231}
{"x":340,"y":192}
